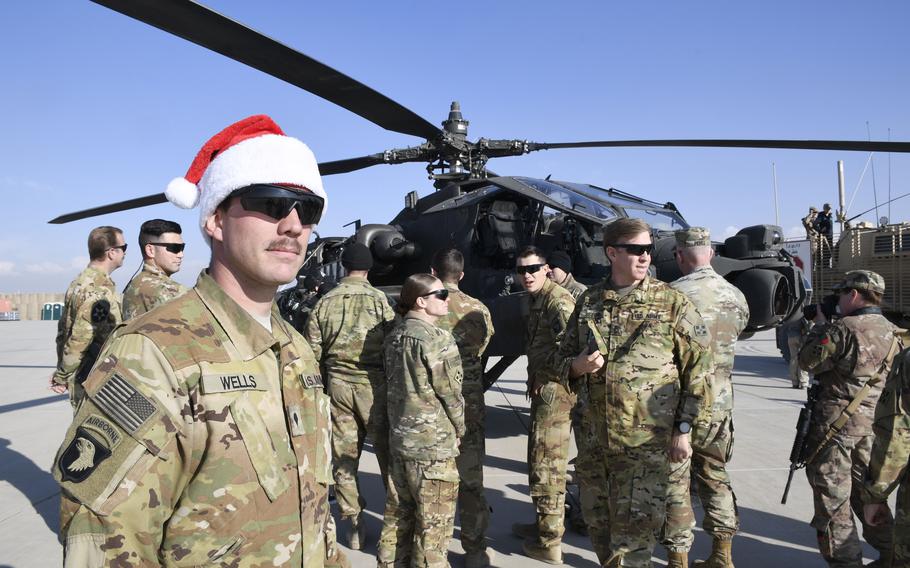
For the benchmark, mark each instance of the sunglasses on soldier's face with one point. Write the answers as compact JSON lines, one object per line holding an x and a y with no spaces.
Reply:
{"x":440,"y":294}
{"x":528,"y":269}
{"x":635,"y":250}
{"x":173,"y":248}
{"x":277,"y":202}
{"x":121,"y":247}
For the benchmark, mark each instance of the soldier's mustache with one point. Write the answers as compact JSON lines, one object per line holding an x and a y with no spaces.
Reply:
{"x":286,"y":245}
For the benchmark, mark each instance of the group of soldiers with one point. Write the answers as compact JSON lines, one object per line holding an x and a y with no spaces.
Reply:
{"x":819,"y":226}
{"x":208,"y":431}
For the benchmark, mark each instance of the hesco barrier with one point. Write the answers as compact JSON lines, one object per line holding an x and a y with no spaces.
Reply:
{"x":30,"y":305}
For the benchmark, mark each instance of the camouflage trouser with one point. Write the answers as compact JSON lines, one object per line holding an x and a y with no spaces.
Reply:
{"x":836,"y":477}
{"x":798,"y":377}
{"x":474,"y":512}
{"x":419,"y":513}
{"x":358,"y":411}
{"x":592,"y":475}
{"x":708,"y":464}
{"x":901,"y":558}
{"x":548,"y":458}
{"x":637,"y":486}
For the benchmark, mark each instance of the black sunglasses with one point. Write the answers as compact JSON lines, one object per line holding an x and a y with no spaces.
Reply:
{"x":441,"y":294}
{"x":277,"y":202}
{"x":121,"y":247}
{"x":635,"y":250}
{"x":528,"y":268}
{"x":174,"y":248}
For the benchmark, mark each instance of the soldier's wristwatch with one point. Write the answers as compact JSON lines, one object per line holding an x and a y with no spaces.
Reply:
{"x":683,"y":427}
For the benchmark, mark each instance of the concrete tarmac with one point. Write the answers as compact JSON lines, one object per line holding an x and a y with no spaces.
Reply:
{"x":33,"y":421}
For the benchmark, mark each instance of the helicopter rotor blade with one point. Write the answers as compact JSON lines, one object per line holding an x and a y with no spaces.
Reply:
{"x":203,"y":26}
{"x":135,"y":203}
{"x":845,"y":145}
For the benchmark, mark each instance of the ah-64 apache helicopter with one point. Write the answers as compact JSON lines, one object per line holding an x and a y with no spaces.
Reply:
{"x":487,"y":216}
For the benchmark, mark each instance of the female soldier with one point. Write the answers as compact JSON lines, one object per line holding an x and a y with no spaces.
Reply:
{"x":426,"y":421}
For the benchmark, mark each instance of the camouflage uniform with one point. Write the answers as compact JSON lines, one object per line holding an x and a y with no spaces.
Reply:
{"x":148,"y":289}
{"x":726,"y":313}
{"x":203,"y":440}
{"x":346,"y":330}
{"x":585,"y":440}
{"x":470,"y":323}
{"x":574,"y":287}
{"x":843,"y":356}
{"x":75,"y":330}
{"x":548,"y":440}
{"x":890,"y":461}
{"x":426,"y":421}
{"x":656,"y":361}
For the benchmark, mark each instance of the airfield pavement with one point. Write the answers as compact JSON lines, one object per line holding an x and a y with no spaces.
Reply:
{"x":33,"y":421}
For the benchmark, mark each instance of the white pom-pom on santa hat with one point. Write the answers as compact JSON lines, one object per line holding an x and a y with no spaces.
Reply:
{"x":250,"y":151}
{"x":182,"y":193}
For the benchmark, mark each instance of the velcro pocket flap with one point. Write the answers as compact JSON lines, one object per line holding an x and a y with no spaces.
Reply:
{"x":259,"y":446}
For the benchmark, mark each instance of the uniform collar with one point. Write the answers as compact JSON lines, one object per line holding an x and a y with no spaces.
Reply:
{"x":355,"y":280}
{"x":451,"y":286}
{"x":545,"y":289}
{"x":638,"y":294}
{"x":706,"y":268}
{"x":153,"y":268}
{"x":105,"y":277}
{"x":247,"y":335}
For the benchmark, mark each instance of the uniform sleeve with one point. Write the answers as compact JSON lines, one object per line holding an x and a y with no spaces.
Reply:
{"x":388,"y":315}
{"x":445,"y":375}
{"x":891,"y":449}
{"x":742,"y":309}
{"x":823,"y":347}
{"x":81,"y":335}
{"x":488,"y":331}
{"x":695,"y":364}
{"x":570,"y":346}
{"x":121,"y":466}
{"x":313,"y":333}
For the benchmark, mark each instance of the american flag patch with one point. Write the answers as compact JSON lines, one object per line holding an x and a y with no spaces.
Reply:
{"x":122,"y":402}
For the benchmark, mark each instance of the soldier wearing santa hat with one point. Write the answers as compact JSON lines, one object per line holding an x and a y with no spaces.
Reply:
{"x":204,"y":435}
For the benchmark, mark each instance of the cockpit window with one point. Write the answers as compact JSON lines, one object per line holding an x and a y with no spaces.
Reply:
{"x":569,"y":199}
{"x":659,"y":220}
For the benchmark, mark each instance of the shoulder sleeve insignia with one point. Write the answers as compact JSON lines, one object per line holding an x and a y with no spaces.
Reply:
{"x":82,"y":456}
{"x":121,"y":401}
{"x":825,"y":340}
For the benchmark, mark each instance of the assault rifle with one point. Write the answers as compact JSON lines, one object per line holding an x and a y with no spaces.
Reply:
{"x":799,"y":453}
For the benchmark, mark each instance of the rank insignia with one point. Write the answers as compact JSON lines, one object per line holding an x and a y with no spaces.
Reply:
{"x":83,"y":455}
{"x":701,"y":330}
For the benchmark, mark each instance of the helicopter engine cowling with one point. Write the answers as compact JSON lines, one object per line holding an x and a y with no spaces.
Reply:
{"x":387,"y":245}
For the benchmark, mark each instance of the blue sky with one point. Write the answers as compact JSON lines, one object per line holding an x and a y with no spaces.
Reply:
{"x":101,"y":108}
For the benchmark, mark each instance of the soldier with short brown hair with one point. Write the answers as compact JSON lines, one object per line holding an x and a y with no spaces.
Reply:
{"x":91,"y":311}
{"x":642,"y":349}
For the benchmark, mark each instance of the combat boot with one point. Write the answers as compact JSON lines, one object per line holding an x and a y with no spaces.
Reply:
{"x":355,"y":533}
{"x":721,"y":556}
{"x":677,"y":559}
{"x":479,"y":558}
{"x":550,"y":554}
{"x":525,"y":530}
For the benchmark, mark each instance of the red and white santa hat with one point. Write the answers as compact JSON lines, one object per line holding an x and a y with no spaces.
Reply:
{"x":250,"y":151}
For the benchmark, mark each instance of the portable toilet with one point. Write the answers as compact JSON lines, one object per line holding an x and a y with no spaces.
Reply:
{"x":57,"y":310}
{"x":47,"y":312}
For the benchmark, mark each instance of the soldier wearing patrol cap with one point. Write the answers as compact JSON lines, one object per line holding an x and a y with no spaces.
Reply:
{"x":850,"y":359}
{"x":726,"y":313}
{"x":204,"y":436}
{"x":346,"y":330}
{"x":644,"y":352}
